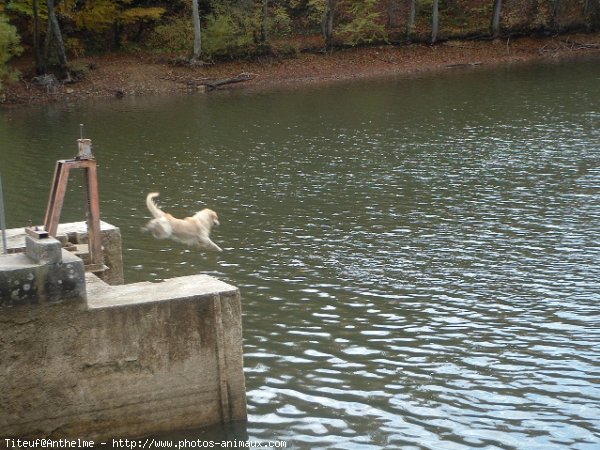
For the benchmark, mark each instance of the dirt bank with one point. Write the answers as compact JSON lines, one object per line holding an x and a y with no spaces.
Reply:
{"x":131,"y":75}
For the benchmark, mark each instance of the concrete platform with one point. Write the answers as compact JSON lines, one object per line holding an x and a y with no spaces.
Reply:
{"x":75,"y":233}
{"x":102,"y":295}
{"x":118,"y":361}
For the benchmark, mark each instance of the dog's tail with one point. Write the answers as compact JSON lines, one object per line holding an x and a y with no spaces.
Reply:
{"x":155,"y":210}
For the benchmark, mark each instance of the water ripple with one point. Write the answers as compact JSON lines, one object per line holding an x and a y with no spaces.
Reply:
{"x":420,"y":273}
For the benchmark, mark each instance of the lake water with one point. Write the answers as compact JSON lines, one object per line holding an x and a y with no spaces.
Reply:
{"x":419,"y":258}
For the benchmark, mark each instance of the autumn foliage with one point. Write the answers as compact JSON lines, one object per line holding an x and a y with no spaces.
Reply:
{"x":244,"y":28}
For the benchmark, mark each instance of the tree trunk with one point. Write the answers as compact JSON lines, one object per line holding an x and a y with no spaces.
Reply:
{"x":265,"y":22}
{"x":591,"y":12}
{"x":117,"y":30}
{"x":391,"y":13}
{"x":555,"y":13}
{"x":327,"y":24}
{"x":496,"y":18}
{"x":534,"y":14}
{"x":36,"y":38}
{"x":435,"y":21}
{"x":587,"y":13}
{"x":412,"y":14}
{"x":211,"y":85}
{"x":197,"y":31}
{"x":47,"y":42}
{"x":586,"y":8}
{"x":62,"y":54}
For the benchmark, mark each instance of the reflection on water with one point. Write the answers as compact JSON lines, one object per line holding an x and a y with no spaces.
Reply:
{"x":418,"y":258}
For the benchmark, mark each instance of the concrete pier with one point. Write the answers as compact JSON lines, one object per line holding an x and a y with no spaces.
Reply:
{"x":75,"y":234}
{"x":117,"y":361}
{"x":44,"y":273}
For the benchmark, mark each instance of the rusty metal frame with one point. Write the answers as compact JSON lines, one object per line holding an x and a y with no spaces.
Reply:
{"x":57,"y":196}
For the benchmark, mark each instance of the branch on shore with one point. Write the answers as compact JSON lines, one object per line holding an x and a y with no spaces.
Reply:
{"x":470,"y":64}
{"x":212,"y":85}
{"x":567,"y":45}
{"x":582,"y":45}
{"x":192,"y":82}
{"x":209,"y":83}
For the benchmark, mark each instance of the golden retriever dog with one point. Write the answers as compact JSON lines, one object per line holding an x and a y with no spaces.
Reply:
{"x":193,"y":231}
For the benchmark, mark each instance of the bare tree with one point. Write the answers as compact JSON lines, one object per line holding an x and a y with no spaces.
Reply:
{"x":496,"y":18}
{"x":197,"y":31}
{"x":327,"y":21}
{"x":391,"y":13}
{"x":412,"y":13}
{"x":555,"y":13}
{"x":55,"y":33}
{"x":265,"y":21}
{"x":591,"y":13}
{"x":36,"y":38}
{"x":435,"y":21}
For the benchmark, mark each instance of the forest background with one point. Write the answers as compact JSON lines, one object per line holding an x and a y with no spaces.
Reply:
{"x":43,"y":37}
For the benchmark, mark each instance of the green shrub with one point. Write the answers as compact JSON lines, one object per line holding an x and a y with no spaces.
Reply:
{"x":176,"y":36}
{"x":232,"y":36}
{"x":74,"y":47}
{"x":229,"y":31}
{"x":280,"y":23}
{"x":9,"y":47}
{"x":79,"y":70}
{"x":287,"y":51}
{"x":365,"y":27}
{"x":222,"y":36}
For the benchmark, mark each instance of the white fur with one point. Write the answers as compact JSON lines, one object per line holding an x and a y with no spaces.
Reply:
{"x":192,"y":231}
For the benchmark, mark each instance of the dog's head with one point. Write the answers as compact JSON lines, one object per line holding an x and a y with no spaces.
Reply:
{"x":213,"y":217}
{"x":208,"y":217}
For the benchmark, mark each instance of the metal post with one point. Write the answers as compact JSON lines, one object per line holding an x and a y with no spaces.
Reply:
{"x":84,"y":160}
{"x":2,"y":217}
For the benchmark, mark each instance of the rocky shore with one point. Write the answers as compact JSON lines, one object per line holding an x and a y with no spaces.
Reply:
{"x":134,"y":75}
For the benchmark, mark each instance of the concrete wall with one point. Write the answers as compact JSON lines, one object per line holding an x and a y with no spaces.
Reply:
{"x":123,"y":361}
{"x":76,"y":233}
{"x":45,"y":274}
{"x":151,"y":358}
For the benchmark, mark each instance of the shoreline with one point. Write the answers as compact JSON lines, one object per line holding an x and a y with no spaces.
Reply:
{"x":133,"y":75}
